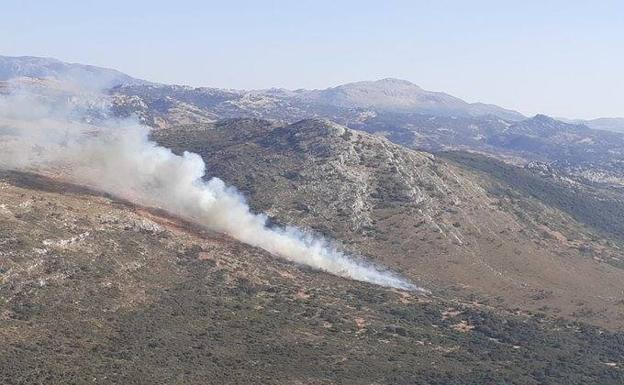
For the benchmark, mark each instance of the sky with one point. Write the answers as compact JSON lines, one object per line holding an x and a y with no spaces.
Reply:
{"x":561,"y":58}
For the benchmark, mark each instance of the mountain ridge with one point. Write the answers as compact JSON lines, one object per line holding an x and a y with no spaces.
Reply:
{"x":391,"y":94}
{"x":90,"y":76}
{"x":37,"y":66}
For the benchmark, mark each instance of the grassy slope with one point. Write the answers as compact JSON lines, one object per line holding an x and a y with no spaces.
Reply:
{"x":599,"y":209}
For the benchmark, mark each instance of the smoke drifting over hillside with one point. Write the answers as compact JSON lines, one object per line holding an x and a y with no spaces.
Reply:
{"x":117,"y":157}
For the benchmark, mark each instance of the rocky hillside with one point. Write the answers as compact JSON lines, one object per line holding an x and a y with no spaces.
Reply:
{"x":164,"y":105}
{"x":443,"y":224}
{"x":599,"y":208}
{"x":95,"y":290}
{"x":387,"y":108}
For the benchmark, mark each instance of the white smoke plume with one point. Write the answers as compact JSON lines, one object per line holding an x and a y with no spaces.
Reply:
{"x":118,"y":158}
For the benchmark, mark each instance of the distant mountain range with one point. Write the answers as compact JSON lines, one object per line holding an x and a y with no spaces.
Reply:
{"x":397,"y":109}
{"x":388,"y":95}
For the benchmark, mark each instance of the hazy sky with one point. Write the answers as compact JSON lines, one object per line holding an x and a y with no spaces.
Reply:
{"x":562,"y":58}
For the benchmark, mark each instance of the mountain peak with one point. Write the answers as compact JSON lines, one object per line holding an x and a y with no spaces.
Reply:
{"x":547,"y":120}
{"x":382,"y":84}
{"x":399,"y":95}
{"x":395,"y":81}
{"x":542,"y":117}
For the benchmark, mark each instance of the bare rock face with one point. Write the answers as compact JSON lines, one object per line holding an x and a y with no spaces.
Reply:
{"x":448,"y":228}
